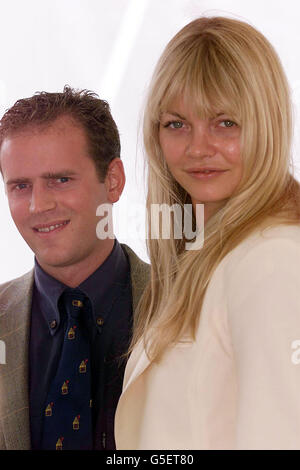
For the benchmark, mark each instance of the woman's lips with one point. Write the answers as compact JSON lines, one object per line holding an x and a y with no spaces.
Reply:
{"x":206,"y":173}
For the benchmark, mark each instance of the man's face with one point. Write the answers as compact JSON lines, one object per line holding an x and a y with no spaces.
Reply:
{"x":53,"y":192}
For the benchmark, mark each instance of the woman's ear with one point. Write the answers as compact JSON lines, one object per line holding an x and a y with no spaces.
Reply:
{"x":115,"y":180}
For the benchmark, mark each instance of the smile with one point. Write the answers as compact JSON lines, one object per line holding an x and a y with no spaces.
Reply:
{"x":50,"y":228}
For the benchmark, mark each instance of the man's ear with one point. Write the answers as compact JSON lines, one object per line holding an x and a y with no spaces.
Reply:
{"x":115,"y":180}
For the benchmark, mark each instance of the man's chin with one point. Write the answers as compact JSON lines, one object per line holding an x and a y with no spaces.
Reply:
{"x":54,"y":261}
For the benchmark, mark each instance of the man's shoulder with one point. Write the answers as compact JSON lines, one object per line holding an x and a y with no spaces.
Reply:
{"x":15,"y":287}
{"x":15,"y":302}
{"x":135,"y":262}
{"x":140,"y":274}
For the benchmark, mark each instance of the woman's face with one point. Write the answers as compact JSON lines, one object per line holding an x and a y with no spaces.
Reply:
{"x":203,"y":155}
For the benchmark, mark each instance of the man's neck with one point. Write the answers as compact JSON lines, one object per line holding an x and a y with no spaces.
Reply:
{"x":74,"y":274}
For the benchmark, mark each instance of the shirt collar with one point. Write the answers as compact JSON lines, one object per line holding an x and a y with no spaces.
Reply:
{"x":48,"y":290}
{"x":104,"y":285}
{"x":102,"y":288}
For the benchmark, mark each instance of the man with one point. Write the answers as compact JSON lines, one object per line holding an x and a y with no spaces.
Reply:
{"x":60,"y":160}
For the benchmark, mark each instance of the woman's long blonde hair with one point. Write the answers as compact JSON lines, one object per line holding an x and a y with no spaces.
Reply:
{"x":227,"y":65}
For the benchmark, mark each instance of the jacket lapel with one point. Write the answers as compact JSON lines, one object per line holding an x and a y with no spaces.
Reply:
{"x":139,"y":361}
{"x":131,"y":402}
{"x":140,"y":274}
{"x":15,"y":307}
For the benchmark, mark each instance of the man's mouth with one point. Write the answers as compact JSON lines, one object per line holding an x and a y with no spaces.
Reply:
{"x":43,"y":228}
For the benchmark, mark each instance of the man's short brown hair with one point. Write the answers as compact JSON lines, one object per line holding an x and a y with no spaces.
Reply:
{"x":83,"y":106}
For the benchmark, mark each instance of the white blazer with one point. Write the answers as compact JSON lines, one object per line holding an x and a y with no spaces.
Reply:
{"x":238,"y":385}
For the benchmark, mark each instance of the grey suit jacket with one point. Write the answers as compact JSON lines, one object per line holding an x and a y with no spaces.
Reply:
{"x":15,"y":308}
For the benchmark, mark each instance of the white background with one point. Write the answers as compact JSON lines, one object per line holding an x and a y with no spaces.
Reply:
{"x":111,"y":47}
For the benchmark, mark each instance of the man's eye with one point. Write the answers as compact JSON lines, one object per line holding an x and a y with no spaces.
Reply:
{"x":21,"y":186}
{"x":63,"y":179}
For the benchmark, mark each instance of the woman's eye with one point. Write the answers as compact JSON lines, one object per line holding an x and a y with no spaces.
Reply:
{"x":174,"y":124}
{"x":227,"y":123}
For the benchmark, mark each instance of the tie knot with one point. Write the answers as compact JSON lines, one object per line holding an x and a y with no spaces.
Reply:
{"x":74,"y":301}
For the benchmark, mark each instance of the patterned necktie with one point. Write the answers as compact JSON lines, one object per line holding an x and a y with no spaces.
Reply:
{"x":68,"y":419}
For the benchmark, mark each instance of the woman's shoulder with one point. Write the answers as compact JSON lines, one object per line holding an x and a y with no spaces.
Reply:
{"x":261,"y":239}
{"x":265,"y":250}
{"x":282,"y":231}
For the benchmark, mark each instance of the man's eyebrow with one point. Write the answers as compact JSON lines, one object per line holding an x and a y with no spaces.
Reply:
{"x":17,"y":181}
{"x":48,"y":175}
{"x":58,"y":174}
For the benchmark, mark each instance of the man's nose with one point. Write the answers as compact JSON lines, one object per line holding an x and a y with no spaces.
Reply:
{"x":201,"y":143}
{"x":42,"y":200}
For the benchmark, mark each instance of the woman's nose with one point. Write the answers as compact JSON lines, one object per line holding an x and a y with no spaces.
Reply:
{"x":201,"y":143}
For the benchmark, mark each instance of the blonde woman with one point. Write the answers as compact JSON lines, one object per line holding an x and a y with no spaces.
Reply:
{"x":216,"y":349}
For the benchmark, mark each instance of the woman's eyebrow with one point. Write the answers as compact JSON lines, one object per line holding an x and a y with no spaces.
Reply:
{"x":173,"y":113}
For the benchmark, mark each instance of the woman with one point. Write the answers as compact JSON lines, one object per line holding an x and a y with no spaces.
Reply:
{"x":214,"y":363}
